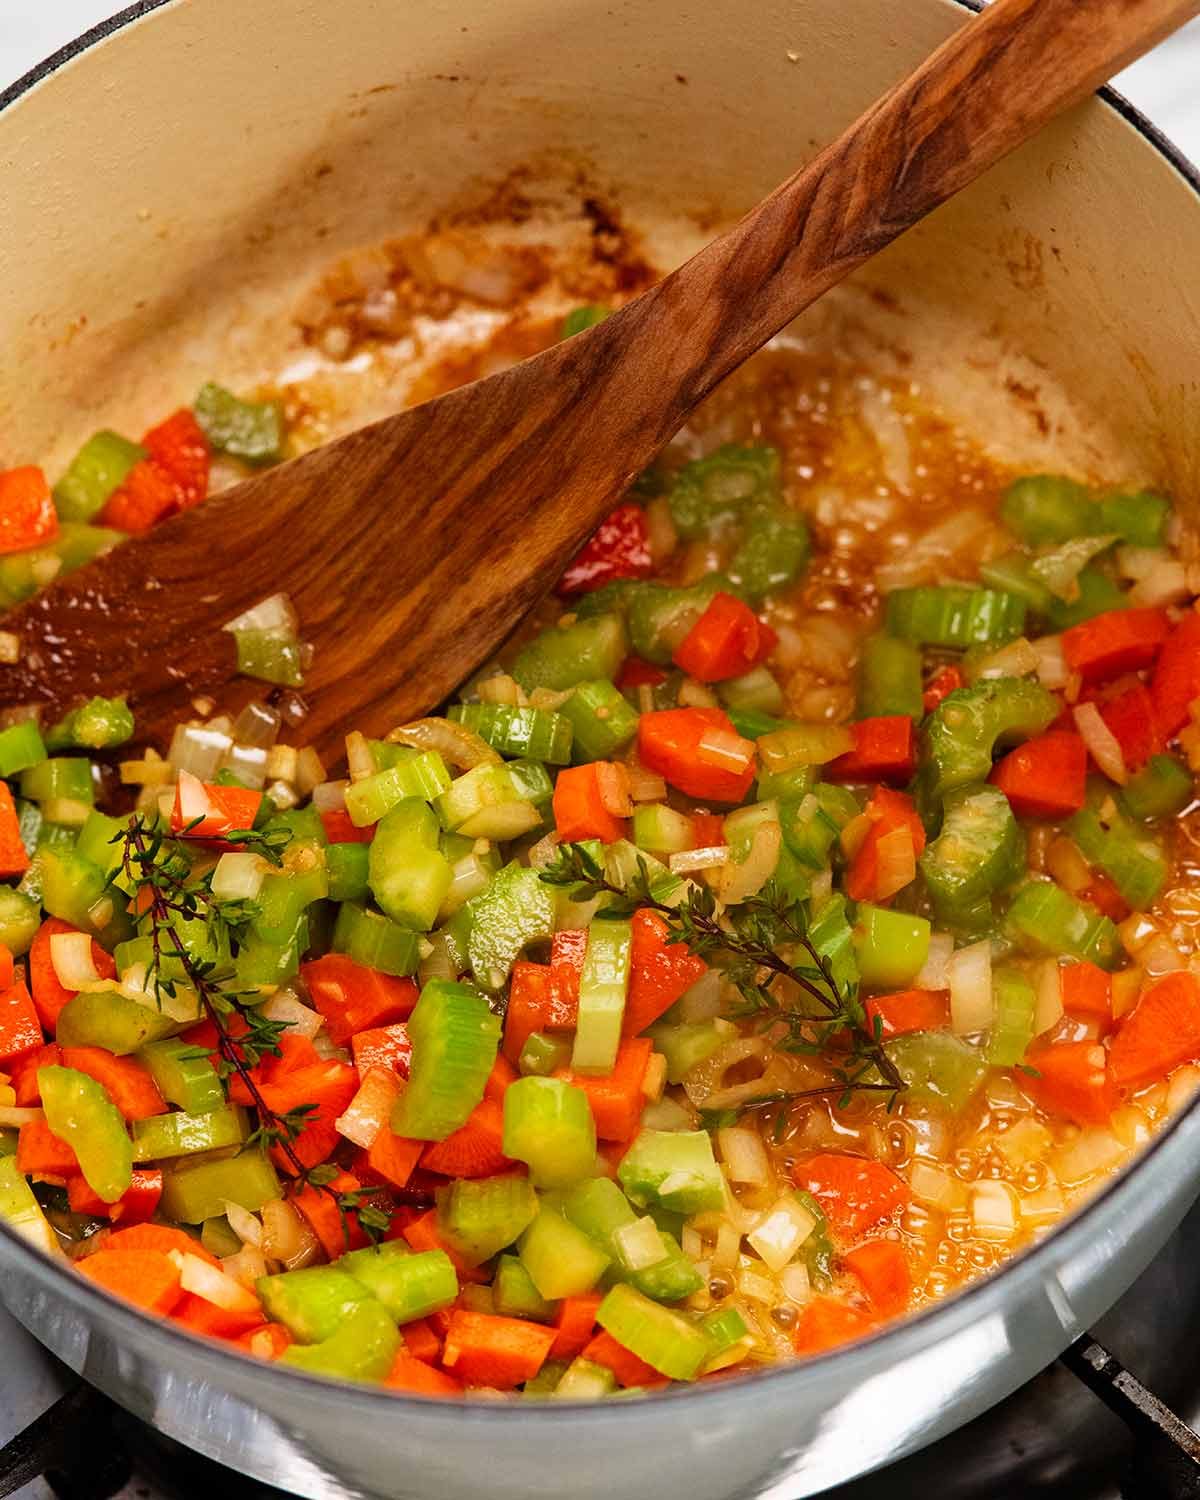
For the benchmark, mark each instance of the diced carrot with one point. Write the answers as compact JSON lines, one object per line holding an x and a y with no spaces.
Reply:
{"x":473,"y":1150}
{"x":698,"y":751}
{"x":616,"y":1099}
{"x":300,"y":1076}
{"x":567,"y":951}
{"x":147,"y":1278}
{"x":14,"y":860}
{"x":579,"y":810}
{"x":1159,"y":1033}
{"x":574,"y":1320}
{"x":20,"y":1029}
{"x":8,"y":968}
{"x":129,"y":1086}
{"x":419,"y":1379}
{"x":27,"y":514}
{"x":1130,"y":718}
{"x":484,"y":1349}
{"x":1072,"y":1079}
{"x":393,"y":1157}
{"x":628,"y":1367}
{"x":528,"y":1006}
{"x":336,"y":1231}
{"x":885,"y":749}
{"x":49,"y":996}
{"x":708,"y":831}
{"x":382,"y":1047}
{"x":659,"y":972}
{"x":204,"y":1317}
{"x":1044,"y":777}
{"x":498,"y":1080}
{"x":1120,"y":640}
{"x":855,"y":1192}
{"x":146,"y":496}
{"x":909,"y":1010}
{"x":618,"y":548}
{"x":23,"y":1073}
{"x":943,"y":682}
{"x":636,"y":673}
{"x":180,"y":448}
{"x":882,"y":1268}
{"x":353,"y":998}
{"x":422,"y":1234}
{"x":1105,"y":897}
{"x":727,"y":640}
{"x":340,"y":829}
{"x":41,"y":1154}
{"x":421,"y":1341}
{"x":135,"y":1206}
{"x":1086,"y":992}
{"x":159,"y":1237}
{"x":1176,"y":681}
{"x":872,"y":875}
{"x":824,"y":1323}
{"x":267,"y":1342}
{"x":207,"y":811}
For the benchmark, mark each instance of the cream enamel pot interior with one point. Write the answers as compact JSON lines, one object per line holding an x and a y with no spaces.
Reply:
{"x":169,"y":184}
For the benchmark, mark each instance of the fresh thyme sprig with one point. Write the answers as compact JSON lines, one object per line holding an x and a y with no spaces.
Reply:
{"x":755,"y":935}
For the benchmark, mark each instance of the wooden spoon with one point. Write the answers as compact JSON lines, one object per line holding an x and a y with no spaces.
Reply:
{"x":412,"y":547}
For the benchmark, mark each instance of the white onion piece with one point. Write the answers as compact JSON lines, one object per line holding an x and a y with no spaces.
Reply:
{"x":646,"y":786}
{"x":15,"y":1115}
{"x":935,"y":971}
{"x":286,"y":1236}
{"x":1167,"y":584}
{"x":1048,"y":1005}
{"x":888,"y":429}
{"x":782,"y":1231}
{"x":273,"y":613}
{"x":247,"y":1267}
{"x":457,"y":745}
{"x":1051,"y":665}
{"x":284,"y":1007}
{"x":206,"y":1282}
{"x":897,"y":863}
{"x":1093,"y":1150}
{"x":795,"y":1284}
{"x":744,"y":1155}
{"x":994,"y":1210}
{"x":755,"y":1287}
{"x":1102,"y":744}
{"x":370,"y":1109}
{"x":738,"y":882}
{"x":703,"y":1001}
{"x":612,"y":782}
{"x":244,"y":1224}
{"x":1018,"y":659}
{"x":698,"y":859}
{"x":970,"y":974}
{"x":640,"y":1244}
{"x":360,"y":758}
{"x":239,"y":876}
{"x":544,"y":852}
{"x":935,"y":1187}
{"x":249,"y":764}
{"x":193,"y":799}
{"x":71,"y":958}
{"x":257,"y":726}
{"x":329,"y":796}
{"x":666,"y":1114}
{"x":199,"y":750}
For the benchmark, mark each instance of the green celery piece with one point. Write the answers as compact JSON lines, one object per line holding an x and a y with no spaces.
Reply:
{"x":301,"y":824}
{"x":562,"y":1261}
{"x":284,"y":899}
{"x":548,"y":1125}
{"x":1139,"y":518}
{"x":584,"y":1380}
{"x":479,"y":1216}
{"x":20,"y":918}
{"x":1059,"y":570}
{"x":269,"y":656}
{"x":1161,"y":789}
{"x":364,"y":1347}
{"x":600,"y":718}
{"x":675,"y":1168}
{"x":671,"y":1279}
{"x":609,"y":599}
{"x":346,"y":867}
{"x":183,"y":1076}
{"x":98,"y":724}
{"x":250,"y":430}
{"x":77,"y":544}
{"x":970,"y":724}
{"x":485,"y":803}
{"x":542,"y":1054}
{"x":266,"y":963}
{"x":954,"y":615}
{"x":98,"y":841}
{"x":812,"y":822}
{"x":372,"y":939}
{"x":421,"y":776}
{"x":517,"y":909}
{"x":773,"y":551}
{"x":830,"y":934}
{"x":100,"y":467}
{"x":599,"y":1208}
{"x":21,"y":746}
{"x":21,"y":1211}
{"x":711,"y":492}
{"x":1015,"y":1000}
{"x":532,"y":782}
{"x":81,"y":1113}
{"x":1013,"y":574}
{"x":565,"y":655}
{"x":217,"y":1237}
{"x":892,"y":946}
{"x":200,"y":1191}
{"x":756,"y":695}
{"x":1097,"y":595}
{"x":109,"y":1019}
{"x":724,"y":1327}
{"x":544,"y":1384}
{"x":1043,"y":918}
{"x":181,"y":1134}
{"x":516,"y":1295}
{"x":671,"y":1343}
{"x":8,"y":1142}
{"x":61,"y":778}
{"x":980,"y":850}
{"x":752,"y":724}
{"x":470,"y":876}
{"x":581,"y":318}
{"x":409,"y":1286}
{"x":622,"y":865}
{"x":409,"y":874}
{"x":684,"y":1044}
{"x":603,"y":986}
{"x":535,"y":732}
{"x":1041,"y":508}
{"x":659,"y":829}
{"x":817,"y":1251}
{"x":312,"y":1303}
{"x":455,"y":1037}
{"x":1133,"y":861}
{"x":938,"y":1069}
{"x":889,"y":679}
{"x":660,"y":616}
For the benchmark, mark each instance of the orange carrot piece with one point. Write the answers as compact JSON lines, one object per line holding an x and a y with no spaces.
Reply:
{"x":353,"y":997}
{"x":528,"y":1006}
{"x":180,"y":449}
{"x":909,"y":1010}
{"x":1176,"y":681}
{"x":855,"y":1192}
{"x":882,"y":1268}
{"x":146,"y":496}
{"x":336,"y":1231}
{"x":421,"y":1341}
{"x":419,"y":1379}
{"x":1162,"y":1031}
{"x":885,"y":749}
{"x":503,"y":1073}
{"x":826,"y":1323}
{"x":1044,"y":777}
{"x":267,"y":1342}
{"x":422,"y":1234}
{"x":625,"y":1365}
{"x":678,"y":743}
{"x":474,"y":1149}
{"x":1121,"y":640}
{"x":49,"y":996}
{"x":1071,"y":1078}
{"x":890,"y":812}
{"x":134,"y":1206}
{"x":159,"y":1237}
{"x":23,"y":1072}
{"x":616,"y":1099}
{"x":27,"y":514}
{"x":204,"y":1317}
{"x":147,"y":1278}
{"x":1086,"y":991}
{"x":41,"y":1154}
{"x":14,"y":859}
{"x":659,"y":972}
{"x":573,"y":1324}
{"x":20,"y":1030}
{"x":579,"y":811}
{"x":382,"y":1047}
{"x":484,"y":1349}
{"x":128,"y":1084}
{"x":393,"y":1157}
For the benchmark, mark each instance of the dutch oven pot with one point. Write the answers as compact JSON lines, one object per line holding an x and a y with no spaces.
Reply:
{"x":170,"y":183}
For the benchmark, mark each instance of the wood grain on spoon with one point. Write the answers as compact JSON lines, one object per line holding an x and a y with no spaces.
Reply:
{"x":412,"y":547}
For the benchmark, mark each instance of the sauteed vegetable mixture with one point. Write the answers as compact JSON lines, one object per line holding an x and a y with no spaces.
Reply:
{"x":757,"y":952}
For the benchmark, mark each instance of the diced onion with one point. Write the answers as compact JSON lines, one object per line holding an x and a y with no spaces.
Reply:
{"x":370,"y":1109}
{"x":199,"y":750}
{"x":738,"y":882}
{"x":247,"y":1267}
{"x":934,"y":973}
{"x":1048,"y":1005}
{"x":1046,"y":1206}
{"x":544,"y":852}
{"x":273,"y":613}
{"x":756,"y":1287}
{"x":360,"y":758}
{"x":703,"y":1001}
{"x":257,"y":726}
{"x":897,"y":863}
{"x":853,"y":836}
{"x":994,"y":1210}
{"x":211,"y":1285}
{"x":1093,"y":1150}
{"x":612,"y":782}
{"x":1102,"y":744}
{"x":194,"y":805}
{"x":499,"y":688}
{"x":654,"y":1079}
{"x":935,"y":1187}
{"x":728,"y":1246}
{"x":646,"y":786}
{"x":666,"y":1114}
{"x":1161,"y":956}
{"x":1051,"y":666}
{"x":693,"y":694}
{"x":782,"y":1231}
{"x":329,"y":796}
{"x":725,"y":750}
{"x":310,"y":772}
{"x":1067,"y":866}
{"x":71,"y":958}
{"x":640,"y":1244}
{"x":698,"y":859}
{"x":249,"y":764}
{"x":970,"y":975}
{"x":286,"y":1236}
{"x":284,"y":1007}
{"x":457,"y":745}
{"x":16,"y":1115}
{"x":795,"y":1284}
{"x":744,"y":1155}
{"x":888,"y":428}
{"x":1017,"y":659}
{"x":238,"y":876}
{"x":10,"y":647}
{"x":244,"y":1224}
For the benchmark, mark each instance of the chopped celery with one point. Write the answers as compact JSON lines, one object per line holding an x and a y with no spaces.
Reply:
{"x":548,"y":1125}
{"x":217,"y":1237}
{"x":937,"y":1068}
{"x":600,"y":1208}
{"x":711,"y":492}
{"x":98,"y":841}
{"x":659,"y":829}
{"x":181,"y":1134}
{"x":266,"y":963}
{"x":192,"y":1194}
{"x":20,"y":919}
{"x":1059,"y":570}
{"x":8,"y":1142}
{"x":892,"y":946}
{"x":422,"y":776}
{"x":724,"y":1327}
{"x":830,"y":934}
{"x":773,"y":550}
{"x":1041,"y":508}
{"x":470,"y":876}
{"x":363,"y":1347}
{"x":284,"y":898}
{"x":1140,"y":518}
{"x":889,"y":678}
{"x":485,"y":803}
{"x":545,"y":1382}
{"x":600,"y":718}
{"x":667,"y":1340}
{"x":542,"y":1054}
{"x":1043,"y":918}
{"x":372,"y":939}
{"x":532,"y":782}
{"x":21,"y":1211}
{"x":1014,"y":1000}
{"x":100,"y":467}
{"x":409,"y":1286}
{"x":675,"y":1168}
{"x":60,"y":779}
{"x":1161,"y":789}
{"x":409,"y":874}
{"x":660,"y":616}
{"x":249,"y":430}
{"x":270,"y":656}
{"x":346,"y":868}
{"x":454,"y":1042}
{"x":516,"y":909}
{"x":21,"y":746}
{"x":670,"y":1279}
{"x":954,"y":615}
{"x":184,"y":1075}
{"x":312,"y":1303}
{"x":686,"y":1043}
{"x":971,"y":723}
{"x":1013,"y":574}
{"x":755,"y":692}
{"x":584,"y":1380}
{"x":110,"y":1019}
{"x":1097,"y":595}
{"x":979,"y":850}
{"x":81,"y":1113}
{"x":98,"y":724}
{"x":479,"y":1216}
{"x":535,"y":732}
{"x":561,"y":1259}
{"x":602,"y":988}
{"x":516,"y":1295}
{"x":1134,"y":862}
{"x":565,"y":655}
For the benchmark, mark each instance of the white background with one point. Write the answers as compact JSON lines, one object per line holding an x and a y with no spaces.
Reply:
{"x":1165,"y":85}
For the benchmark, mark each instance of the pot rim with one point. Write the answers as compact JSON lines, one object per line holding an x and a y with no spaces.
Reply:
{"x":974,"y":1302}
